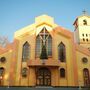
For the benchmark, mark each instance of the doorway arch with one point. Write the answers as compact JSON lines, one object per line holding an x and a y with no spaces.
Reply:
{"x":43,"y":77}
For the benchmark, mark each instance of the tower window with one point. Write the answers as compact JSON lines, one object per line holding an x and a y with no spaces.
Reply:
{"x":84,"y":22}
{"x":62,"y":73}
{"x":83,"y":35}
{"x":86,"y":35}
{"x":83,"y":39}
{"x":87,"y":39}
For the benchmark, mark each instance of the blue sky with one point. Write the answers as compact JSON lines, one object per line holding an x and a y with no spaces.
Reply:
{"x":16,"y":14}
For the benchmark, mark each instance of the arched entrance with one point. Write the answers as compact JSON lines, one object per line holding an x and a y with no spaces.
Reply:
{"x":86,"y":77}
{"x":43,"y":77}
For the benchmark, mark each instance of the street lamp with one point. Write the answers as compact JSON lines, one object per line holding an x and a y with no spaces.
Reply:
{"x":79,"y":84}
{"x":0,"y":80}
{"x":8,"y":83}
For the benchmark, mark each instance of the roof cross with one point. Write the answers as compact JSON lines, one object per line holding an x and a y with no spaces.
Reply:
{"x":84,"y":12}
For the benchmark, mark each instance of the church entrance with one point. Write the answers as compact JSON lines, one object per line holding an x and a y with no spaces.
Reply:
{"x":43,"y":77}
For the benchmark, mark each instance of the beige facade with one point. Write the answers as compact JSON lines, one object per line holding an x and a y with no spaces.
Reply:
{"x":45,"y":54}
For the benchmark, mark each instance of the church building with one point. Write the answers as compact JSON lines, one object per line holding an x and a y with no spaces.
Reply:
{"x":46,"y":54}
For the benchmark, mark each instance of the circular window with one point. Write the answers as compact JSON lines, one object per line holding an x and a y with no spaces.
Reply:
{"x":24,"y":72}
{"x":3,"y":59}
{"x":89,"y":48}
{"x":84,"y":60}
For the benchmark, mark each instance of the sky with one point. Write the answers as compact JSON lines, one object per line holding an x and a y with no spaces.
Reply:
{"x":16,"y":14}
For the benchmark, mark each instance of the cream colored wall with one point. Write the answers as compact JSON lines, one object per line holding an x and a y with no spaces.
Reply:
{"x":44,"y":18}
{"x":81,"y":18}
{"x":81,"y":66}
{"x":6,"y":66}
{"x":84,"y":29}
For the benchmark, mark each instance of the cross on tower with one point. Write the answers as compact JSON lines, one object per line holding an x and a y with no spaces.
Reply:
{"x":84,"y":12}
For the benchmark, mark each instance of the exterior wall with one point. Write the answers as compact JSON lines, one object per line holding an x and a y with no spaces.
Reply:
{"x":81,"y":66}
{"x":6,"y":66}
{"x":20,"y":64}
{"x":56,"y":39}
{"x":69,"y":79}
{"x":73,"y":65}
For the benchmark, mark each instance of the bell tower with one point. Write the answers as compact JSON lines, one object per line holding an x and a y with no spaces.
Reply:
{"x":82,"y":30}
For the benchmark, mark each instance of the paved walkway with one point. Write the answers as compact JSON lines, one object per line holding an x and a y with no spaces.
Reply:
{"x":40,"y":88}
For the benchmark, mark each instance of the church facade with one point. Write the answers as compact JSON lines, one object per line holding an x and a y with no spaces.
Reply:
{"x":46,"y":54}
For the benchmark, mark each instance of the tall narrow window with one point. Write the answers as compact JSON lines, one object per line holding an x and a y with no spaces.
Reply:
{"x":26,"y":52}
{"x":49,"y":46}
{"x":83,"y":35}
{"x":86,"y":77}
{"x":86,"y":35}
{"x":38,"y":47}
{"x":83,"y":39}
{"x":84,"y":22}
{"x":1,"y":75}
{"x":62,"y":52}
{"x":43,"y":44}
{"x":87,"y":39}
{"x":62,"y":73}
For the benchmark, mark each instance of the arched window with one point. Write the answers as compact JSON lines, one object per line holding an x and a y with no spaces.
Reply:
{"x":84,"y":22}
{"x":43,"y":40}
{"x":83,"y":39}
{"x":83,"y":35}
{"x":26,"y":52}
{"x":86,"y":77}
{"x":1,"y":75}
{"x":62,"y":73}
{"x":49,"y":45}
{"x":62,"y":52}
{"x":38,"y":47}
{"x":86,"y":35}
{"x":87,"y":39}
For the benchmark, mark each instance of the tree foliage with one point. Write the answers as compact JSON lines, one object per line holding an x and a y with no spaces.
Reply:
{"x":3,"y":41}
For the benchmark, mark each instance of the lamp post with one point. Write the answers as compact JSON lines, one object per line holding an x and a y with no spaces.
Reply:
{"x":79,"y":82}
{"x":8,"y":83}
{"x":0,"y":80}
